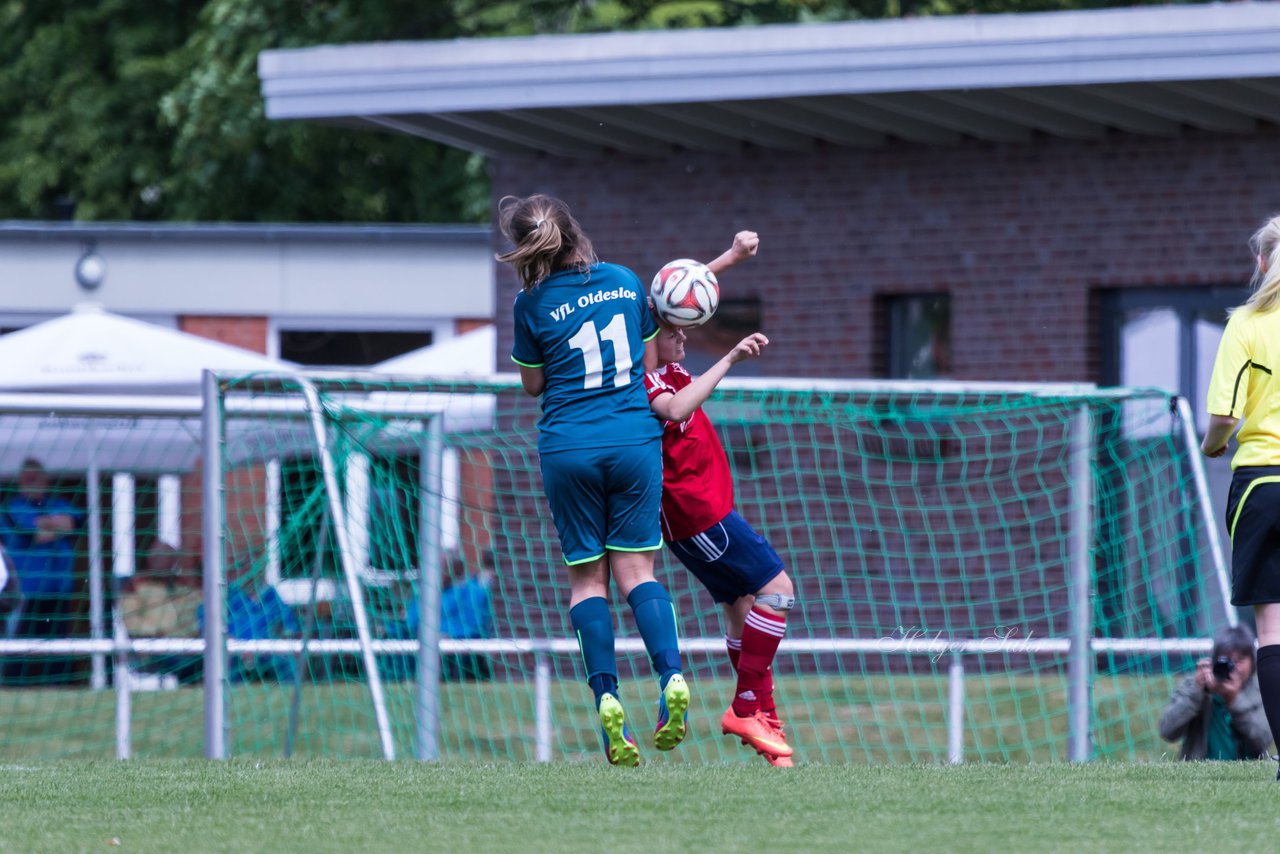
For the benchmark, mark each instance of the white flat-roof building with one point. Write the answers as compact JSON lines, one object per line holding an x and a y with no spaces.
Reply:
{"x":317,"y":294}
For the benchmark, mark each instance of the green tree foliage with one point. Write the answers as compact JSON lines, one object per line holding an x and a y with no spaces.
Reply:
{"x":229,"y":161}
{"x":660,"y":14}
{"x":122,"y":110}
{"x":152,"y":111}
{"x":79,"y":84}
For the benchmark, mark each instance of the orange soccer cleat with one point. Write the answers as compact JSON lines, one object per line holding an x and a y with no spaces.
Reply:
{"x":771,"y":718}
{"x":755,"y":733}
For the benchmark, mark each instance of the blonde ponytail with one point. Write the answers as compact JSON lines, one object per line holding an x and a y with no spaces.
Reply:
{"x":1266,"y":283}
{"x":546,"y":237}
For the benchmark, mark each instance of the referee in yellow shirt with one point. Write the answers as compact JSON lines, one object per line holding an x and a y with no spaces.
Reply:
{"x":1244,"y":391}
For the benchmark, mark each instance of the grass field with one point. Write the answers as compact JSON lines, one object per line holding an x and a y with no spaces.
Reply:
{"x":833,"y":720}
{"x":197,"y":806}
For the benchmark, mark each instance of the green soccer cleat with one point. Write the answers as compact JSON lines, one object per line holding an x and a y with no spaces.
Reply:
{"x":619,"y":747}
{"x":673,"y":714}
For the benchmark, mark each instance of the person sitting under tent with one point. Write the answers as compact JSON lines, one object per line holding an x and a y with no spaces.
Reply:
{"x":162,"y":601}
{"x":10,"y":594}
{"x":39,"y":533}
{"x":466,"y":613}
{"x":255,"y":611}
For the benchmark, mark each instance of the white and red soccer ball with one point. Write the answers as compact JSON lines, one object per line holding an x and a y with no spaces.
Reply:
{"x":685,"y":293}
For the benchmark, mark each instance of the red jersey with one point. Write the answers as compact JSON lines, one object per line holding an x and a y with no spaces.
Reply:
{"x":697,"y":490}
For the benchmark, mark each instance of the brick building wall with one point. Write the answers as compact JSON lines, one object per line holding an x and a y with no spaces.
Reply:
{"x":248,"y":333}
{"x":1022,"y":237}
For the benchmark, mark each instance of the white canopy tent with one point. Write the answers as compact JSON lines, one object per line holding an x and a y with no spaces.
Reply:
{"x":92,"y":353}
{"x":469,"y":354}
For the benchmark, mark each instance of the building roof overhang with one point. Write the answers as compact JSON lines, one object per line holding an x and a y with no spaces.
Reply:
{"x":1002,"y":78}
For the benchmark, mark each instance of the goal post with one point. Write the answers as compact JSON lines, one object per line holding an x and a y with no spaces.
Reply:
{"x":984,"y":571}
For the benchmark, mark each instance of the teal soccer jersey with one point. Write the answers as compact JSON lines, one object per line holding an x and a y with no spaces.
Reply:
{"x":587,"y":331}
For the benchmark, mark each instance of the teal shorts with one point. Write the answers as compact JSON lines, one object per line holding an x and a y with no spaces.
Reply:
{"x":605,"y":499}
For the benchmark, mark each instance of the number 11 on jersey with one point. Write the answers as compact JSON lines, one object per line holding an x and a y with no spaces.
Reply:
{"x":588,"y":341}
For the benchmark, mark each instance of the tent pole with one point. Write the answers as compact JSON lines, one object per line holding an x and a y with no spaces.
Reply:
{"x":169,"y":499}
{"x":98,"y":680}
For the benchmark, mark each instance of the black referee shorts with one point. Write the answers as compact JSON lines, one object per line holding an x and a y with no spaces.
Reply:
{"x":1253,"y":519}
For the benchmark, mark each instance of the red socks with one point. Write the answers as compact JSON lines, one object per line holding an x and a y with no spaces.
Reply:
{"x":767,"y":705}
{"x":753,"y":660}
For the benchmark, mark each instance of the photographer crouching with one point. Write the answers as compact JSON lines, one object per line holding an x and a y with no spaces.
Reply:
{"x":1217,"y":711}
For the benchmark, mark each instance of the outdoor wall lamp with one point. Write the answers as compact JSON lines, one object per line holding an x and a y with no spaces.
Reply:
{"x":91,"y":269}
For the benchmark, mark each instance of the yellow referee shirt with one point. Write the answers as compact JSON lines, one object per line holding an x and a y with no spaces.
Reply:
{"x":1246,"y":385}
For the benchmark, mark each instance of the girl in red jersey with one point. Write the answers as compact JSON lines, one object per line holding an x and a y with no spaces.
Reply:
{"x":738,"y":567}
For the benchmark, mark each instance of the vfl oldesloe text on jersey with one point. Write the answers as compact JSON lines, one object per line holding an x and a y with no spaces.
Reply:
{"x":563,"y":311}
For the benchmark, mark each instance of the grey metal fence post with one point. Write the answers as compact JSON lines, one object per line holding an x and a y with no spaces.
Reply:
{"x":1080,"y":551}
{"x":542,"y":705}
{"x":215,"y":743}
{"x":955,"y":710}
{"x":430,"y":483}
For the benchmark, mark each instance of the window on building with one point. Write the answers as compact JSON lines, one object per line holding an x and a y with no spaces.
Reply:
{"x":918,"y":336}
{"x":386,"y":519}
{"x":1166,"y":338}
{"x":349,"y":347}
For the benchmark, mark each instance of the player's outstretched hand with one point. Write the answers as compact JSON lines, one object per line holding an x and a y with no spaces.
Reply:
{"x":752,"y":345}
{"x":745,"y":244}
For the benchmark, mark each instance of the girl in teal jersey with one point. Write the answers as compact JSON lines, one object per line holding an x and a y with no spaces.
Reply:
{"x":583,"y":340}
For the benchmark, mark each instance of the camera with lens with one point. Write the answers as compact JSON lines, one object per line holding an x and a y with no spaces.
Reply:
{"x":1223,"y":667}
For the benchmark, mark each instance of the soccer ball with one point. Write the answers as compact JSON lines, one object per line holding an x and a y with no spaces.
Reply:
{"x":685,"y":293}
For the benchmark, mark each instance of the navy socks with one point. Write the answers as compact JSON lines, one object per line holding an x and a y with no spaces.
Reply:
{"x":656,"y":620}
{"x":593,"y":622}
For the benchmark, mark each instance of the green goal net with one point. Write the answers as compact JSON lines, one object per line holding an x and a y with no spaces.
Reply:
{"x":984,"y":572}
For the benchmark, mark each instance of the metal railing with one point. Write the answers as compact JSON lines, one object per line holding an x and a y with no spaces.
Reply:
{"x":957,"y":650}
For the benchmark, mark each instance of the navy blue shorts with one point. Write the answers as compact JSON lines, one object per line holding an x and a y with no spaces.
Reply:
{"x":605,"y":498}
{"x":729,"y":558}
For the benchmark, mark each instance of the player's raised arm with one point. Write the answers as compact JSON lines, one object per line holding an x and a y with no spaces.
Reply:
{"x":683,"y":403}
{"x":745,"y":244}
